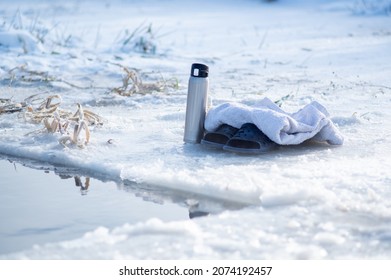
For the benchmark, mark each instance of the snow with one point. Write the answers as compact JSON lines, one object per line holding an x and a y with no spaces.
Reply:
{"x":310,"y":201}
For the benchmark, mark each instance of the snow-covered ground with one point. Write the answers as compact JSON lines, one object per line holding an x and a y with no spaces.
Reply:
{"x":308,"y":201}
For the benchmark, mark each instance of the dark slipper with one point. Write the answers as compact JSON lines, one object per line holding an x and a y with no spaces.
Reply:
{"x":220,"y":137}
{"x":249,"y":140}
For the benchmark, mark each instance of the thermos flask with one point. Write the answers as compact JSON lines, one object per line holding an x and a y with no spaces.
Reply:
{"x":197,"y":96}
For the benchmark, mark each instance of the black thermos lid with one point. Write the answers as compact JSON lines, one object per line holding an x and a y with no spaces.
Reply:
{"x":199,"y":70}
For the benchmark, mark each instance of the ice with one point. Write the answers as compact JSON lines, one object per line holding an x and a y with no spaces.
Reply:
{"x":309,"y":201}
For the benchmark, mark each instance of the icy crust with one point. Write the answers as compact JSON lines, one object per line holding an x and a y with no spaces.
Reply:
{"x":307,"y":201}
{"x":312,"y":201}
{"x":293,"y":232}
{"x":151,"y":151}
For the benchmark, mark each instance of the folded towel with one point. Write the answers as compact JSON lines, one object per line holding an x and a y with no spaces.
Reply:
{"x":311,"y":122}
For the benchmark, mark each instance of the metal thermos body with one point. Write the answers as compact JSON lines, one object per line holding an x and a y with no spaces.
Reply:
{"x":197,"y":97}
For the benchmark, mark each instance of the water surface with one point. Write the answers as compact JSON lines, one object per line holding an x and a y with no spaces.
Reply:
{"x":48,"y":204}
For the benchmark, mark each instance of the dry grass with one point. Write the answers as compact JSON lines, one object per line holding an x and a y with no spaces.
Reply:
{"x":22,"y":74}
{"x":131,"y":81}
{"x":74,"y":128}
{"x":142,"y":39}
{"x":132,"y":84}
{"x":70,"y":125}
{"x":7,"y":106}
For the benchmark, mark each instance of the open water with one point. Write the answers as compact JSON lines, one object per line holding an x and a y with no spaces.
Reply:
{"x":41,"y":204}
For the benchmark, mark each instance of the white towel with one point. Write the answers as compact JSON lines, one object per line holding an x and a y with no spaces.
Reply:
{"x":311,"y":122}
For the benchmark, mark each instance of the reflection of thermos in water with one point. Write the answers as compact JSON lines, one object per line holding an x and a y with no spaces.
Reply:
{"x":197,"y":96}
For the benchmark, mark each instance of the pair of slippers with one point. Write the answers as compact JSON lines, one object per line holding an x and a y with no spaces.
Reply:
{"x":246,"y":140}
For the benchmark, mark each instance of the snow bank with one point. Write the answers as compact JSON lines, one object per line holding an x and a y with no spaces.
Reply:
{"x":288,"y":233}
